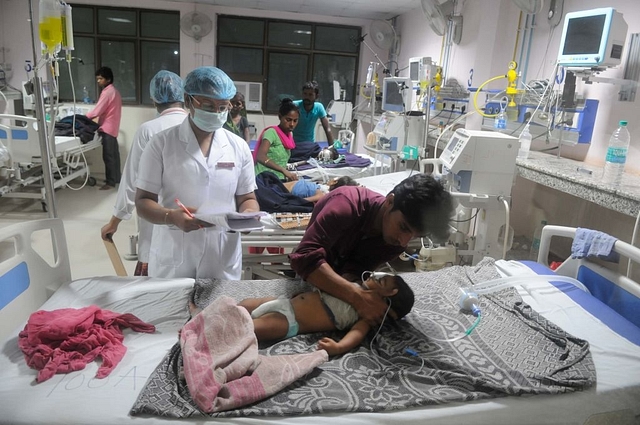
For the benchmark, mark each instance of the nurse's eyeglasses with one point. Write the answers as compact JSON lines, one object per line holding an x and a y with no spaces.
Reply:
{"x":213,"y":106}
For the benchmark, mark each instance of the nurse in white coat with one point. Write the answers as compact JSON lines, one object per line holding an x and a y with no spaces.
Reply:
{"x":166,"y":92}
{"x":203,"y":165}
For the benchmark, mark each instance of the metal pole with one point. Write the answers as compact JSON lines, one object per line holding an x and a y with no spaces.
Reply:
{"x":43,"y":133}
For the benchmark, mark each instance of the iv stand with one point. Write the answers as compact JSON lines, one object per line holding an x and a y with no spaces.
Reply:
{"x":43,"y":133}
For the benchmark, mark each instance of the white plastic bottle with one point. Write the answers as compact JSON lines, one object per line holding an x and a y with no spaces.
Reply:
{"x":525,"y":143}
{"x":85,"y":95}
{"x":616,"y":155}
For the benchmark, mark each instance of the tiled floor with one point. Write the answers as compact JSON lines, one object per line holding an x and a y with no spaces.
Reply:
{"x":83,"y":213}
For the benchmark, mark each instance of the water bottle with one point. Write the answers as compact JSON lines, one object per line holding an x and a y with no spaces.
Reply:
{"x":535,"y":243}
{"x":500,"y":122}
{"x":525,"y":143}
{"x":616,"y":155}
{"x":85,"y":95}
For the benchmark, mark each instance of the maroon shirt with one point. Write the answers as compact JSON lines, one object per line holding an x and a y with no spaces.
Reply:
{"x":339,"y":233}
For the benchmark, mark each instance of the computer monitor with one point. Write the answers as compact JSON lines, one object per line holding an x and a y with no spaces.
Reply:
{"x":396,"y":94}
{"x":592,"y":38}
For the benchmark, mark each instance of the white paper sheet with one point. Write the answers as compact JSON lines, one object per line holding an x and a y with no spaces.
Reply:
{"x":239,"y":222}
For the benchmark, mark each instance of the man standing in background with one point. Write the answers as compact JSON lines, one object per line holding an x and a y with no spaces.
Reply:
{"x":310,"y":112}
{"x":167,"y":94}
{"x":108,"y":111}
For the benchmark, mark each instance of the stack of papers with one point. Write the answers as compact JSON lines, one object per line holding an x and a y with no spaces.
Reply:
{"x":238,"y":222}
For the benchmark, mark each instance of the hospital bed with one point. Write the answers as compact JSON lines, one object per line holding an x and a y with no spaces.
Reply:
{"x":324,"y":174}
{"x":29,"y":282}
{"x":23,"y":171}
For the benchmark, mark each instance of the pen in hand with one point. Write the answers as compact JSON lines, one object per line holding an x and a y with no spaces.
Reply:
{"x":186,"y":210}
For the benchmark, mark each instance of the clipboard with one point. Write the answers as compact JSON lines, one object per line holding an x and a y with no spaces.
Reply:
{"x":114,"y":256}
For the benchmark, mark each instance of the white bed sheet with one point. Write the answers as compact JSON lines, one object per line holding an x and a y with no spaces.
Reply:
{"x":66,"y":142}
{"x":384,"y":183}
{"x":76,"y":398}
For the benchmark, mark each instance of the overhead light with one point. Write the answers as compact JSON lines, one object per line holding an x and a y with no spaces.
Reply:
{"x":302,"y":32}
{"x":294,"y":44}
{"x":175,"y":52}
{"x":120,"y":20}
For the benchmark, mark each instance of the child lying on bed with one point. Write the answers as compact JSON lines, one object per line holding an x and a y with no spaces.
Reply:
{"x":312,"y":191}
{"x":279,"y":318}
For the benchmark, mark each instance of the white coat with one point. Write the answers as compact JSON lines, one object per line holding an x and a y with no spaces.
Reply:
{"x":173,"y":166}
{"x":126,"y":198}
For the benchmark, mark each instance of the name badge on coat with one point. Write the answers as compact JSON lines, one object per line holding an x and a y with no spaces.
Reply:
{"x":225,"y":165}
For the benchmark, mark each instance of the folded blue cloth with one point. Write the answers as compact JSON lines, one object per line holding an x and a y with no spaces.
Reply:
{"x":592,"y":243}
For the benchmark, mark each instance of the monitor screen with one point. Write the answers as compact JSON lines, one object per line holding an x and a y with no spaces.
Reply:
{"x":396,"y":94}
{"x":414,"y":70}
{"x":584,"y":35}
{"x":592,"y":38}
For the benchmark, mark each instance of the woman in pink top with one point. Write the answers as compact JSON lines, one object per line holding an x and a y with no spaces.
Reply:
{"x":108,"y":110}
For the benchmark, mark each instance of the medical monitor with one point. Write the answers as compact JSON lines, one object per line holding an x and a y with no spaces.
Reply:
{"x":396,"y":94}
{"x":592,"y":38}
{"x":420,"y":69}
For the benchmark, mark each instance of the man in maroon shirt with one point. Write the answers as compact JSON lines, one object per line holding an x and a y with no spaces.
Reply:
{"x":354,"y":229}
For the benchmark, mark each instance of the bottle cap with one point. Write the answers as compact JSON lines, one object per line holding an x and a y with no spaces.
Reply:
{"x":623,"y":123}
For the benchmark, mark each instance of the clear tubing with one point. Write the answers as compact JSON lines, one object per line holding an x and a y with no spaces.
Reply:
{"x":462,"y":335}
{"x":507,"y":282}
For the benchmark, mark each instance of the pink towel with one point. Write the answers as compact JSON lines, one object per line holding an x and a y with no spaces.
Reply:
{"x":222,"y":366}
{"x":65,"y":340}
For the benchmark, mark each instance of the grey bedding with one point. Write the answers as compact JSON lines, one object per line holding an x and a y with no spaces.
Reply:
{"x":512,"y":352}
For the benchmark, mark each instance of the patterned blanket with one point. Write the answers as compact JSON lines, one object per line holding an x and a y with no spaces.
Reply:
{"x":513,"y":351}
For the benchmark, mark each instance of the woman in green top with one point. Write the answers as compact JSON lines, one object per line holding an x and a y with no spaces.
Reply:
{"x":273,"y":149}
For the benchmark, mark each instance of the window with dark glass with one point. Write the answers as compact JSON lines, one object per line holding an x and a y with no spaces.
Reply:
{"x":134,"y":43}
{"x":283,"y":55}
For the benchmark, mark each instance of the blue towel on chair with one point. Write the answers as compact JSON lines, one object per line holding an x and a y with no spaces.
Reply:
{"x":592,"y":243}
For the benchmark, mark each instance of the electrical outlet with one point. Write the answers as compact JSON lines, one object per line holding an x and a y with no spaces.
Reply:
{"x":456,"y":106}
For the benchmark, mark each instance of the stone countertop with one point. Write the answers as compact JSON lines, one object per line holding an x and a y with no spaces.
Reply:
{"x":573,"y":177}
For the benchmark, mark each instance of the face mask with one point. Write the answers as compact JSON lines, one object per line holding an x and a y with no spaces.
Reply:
{"x":209,"y":121}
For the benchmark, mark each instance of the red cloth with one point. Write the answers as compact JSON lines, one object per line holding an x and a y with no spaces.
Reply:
{"x":65,"y":340}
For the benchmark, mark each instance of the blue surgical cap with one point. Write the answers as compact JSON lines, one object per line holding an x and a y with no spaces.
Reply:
{"x":166,"y":87}
{"x":209,"y":81}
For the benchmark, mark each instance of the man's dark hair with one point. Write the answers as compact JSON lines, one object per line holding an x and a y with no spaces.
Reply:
{"x":426,"y":205}
{"x":286,"y":106}
{"x":312,"y":85}
{"x":402,"y":301}
{"x":106,"y":73}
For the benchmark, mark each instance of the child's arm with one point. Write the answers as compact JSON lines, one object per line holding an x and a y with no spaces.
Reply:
{"x":351,"y":340}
